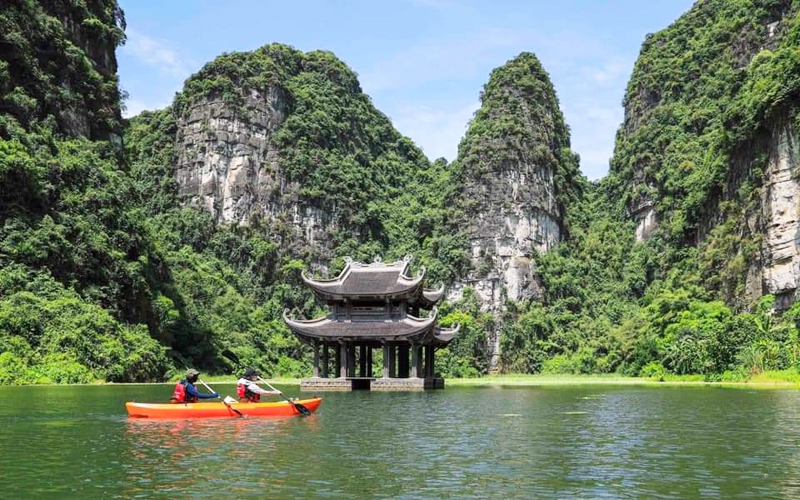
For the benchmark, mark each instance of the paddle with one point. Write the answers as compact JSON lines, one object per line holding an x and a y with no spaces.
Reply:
{"x":224,"y":401}
{"x":302,"y":409}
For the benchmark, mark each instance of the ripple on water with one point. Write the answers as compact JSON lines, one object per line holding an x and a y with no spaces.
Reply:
{"x":605,"y":442}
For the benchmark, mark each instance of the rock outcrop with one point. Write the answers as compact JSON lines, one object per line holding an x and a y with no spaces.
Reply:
{"x":226,"y":161}
{"x":708,"y":154}
{"x":229,"y":165}
{"x":514,"y":171}
{"x":59,"y":65}
{"x":289,"y":141}
{"x":777,"y":269}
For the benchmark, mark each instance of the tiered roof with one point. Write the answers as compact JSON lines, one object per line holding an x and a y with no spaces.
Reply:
{"x":410,"y":328}
{"x":375,"y":281}
{"x":370,"y":282}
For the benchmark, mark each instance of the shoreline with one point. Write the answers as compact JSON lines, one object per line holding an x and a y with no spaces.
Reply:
{"x":611,"y":380}
{"x":518,"y":380}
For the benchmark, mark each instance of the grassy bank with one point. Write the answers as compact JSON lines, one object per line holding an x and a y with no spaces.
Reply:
{"x":783,"y":378}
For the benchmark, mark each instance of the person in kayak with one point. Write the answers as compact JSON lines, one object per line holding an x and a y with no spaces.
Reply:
{"x":186,"y":392}
{"x":248,"y":390}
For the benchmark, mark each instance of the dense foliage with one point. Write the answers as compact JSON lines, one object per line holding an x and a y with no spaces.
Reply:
{"x":76,"y":265}
{"x":701,"y":107}
{"x":106,"y":274}
{"x":520,"y":122}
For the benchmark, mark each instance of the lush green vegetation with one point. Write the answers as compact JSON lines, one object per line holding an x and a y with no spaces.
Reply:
{"x":701,"y":105}
{"x":76,"y":266}
{"x":105,"y":274}
{"x":520,"y":121}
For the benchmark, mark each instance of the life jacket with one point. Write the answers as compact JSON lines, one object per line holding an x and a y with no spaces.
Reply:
{"x":244,"y":393}
{"x":179,"y":395}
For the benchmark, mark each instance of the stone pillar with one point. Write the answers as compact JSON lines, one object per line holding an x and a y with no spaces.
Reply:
{"x":343,"y":360}
{"x":351,"y":361}
{"x":362,"y":360}
{"x":325,"y":359}
{"x":414,"y":361}
{"x":337,"y":359}
{"x":385,"y":360}
{"x":402,"y":371}
{"x":420,"y":362}
{"x":428,"y":361}
{"x":316,"y":358}
{"x":392,"y":361}
{"x":369,"y":361}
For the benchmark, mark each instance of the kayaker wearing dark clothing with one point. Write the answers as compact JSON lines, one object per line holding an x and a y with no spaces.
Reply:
{"x":248,"y":390}
{"x":186,"y":392}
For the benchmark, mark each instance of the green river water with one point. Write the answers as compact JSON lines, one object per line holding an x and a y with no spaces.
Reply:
{"x":553,"y":442}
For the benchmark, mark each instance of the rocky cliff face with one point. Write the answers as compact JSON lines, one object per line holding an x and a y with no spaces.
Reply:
{"x":229,"y":165}
{"x":706,"y":156}
{"x":59,"y":62}
{"x":776,"y":270}
{"x":515,"y":172}
{"x":287,"y":140}
{"x":226,"y":161}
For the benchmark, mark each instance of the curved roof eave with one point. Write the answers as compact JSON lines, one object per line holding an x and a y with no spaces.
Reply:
{"x":433,"y":296}
{"x":445,"y":335}
{"x":323,"y":283}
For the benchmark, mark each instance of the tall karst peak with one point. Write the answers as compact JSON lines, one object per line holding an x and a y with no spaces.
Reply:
{"x":516,"y":177}
{"x":289,"y":139}
{"x":707,"y":157}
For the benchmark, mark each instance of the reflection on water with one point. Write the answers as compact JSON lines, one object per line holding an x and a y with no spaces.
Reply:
{"x":571,"y":442}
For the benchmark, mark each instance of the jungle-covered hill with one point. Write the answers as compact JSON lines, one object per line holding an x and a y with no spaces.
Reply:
{"x":130,"y":249}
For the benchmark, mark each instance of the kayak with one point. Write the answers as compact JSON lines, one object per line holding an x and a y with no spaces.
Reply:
{"x":219,"y":409}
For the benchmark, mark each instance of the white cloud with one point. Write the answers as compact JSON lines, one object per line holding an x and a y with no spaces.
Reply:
{"x":155,"y":53}
{"x":440,"y":60}
{"x":610,"y":72}
{"x":593,"y":130}
{"x":436,"y":131}
{"x":135,"y":106}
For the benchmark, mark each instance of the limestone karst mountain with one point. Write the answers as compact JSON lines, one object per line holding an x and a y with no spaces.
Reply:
{"x":516,"y":178}
{"x":179,"y":236}
{"x":708,"y":150}
{"x":288,"y":139}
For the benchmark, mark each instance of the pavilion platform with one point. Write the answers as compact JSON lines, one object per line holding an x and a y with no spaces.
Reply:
{"x":322,"y":384}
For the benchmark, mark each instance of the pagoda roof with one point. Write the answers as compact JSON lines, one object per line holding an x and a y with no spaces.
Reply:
{"x":430,"y":297}
{"x":443,"y":336}
{"x":410,"y":328}
{"x":376,"y":280}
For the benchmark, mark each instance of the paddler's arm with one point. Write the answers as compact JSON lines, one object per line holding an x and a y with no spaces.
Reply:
{"x":191,"y":390}
{"x":253,"y":387}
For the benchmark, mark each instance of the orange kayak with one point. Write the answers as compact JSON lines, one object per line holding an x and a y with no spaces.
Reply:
{"x":219,"y":409}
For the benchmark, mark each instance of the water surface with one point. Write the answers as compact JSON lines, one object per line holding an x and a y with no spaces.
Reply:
{"x":521,"y":442}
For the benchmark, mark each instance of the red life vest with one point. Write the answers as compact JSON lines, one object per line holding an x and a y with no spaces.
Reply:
{"x":243,"y":393}
{"x":179,"y":394}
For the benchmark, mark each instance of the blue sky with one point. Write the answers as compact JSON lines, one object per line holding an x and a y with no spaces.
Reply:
{"x":423,"y":62}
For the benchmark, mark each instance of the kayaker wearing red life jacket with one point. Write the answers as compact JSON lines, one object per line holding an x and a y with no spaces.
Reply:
{"x":186,"y":392}
{"x":248,"y":390}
